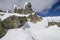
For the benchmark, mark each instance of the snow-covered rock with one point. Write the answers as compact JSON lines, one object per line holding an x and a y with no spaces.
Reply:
{"x":6,"y":15}
{"x":15,"y":6}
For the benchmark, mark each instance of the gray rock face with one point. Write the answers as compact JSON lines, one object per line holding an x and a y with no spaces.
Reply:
{"x":11,"y":23}
{"x":26,"y":10}
{"x":34,"y":18}
{"x":53,"y":23}
{"x":14,"y":22}
{"x":2,"y":30}
{"x":22,"y":20}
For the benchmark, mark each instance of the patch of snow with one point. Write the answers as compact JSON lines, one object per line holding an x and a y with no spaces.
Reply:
{"x":15,"y":6}
{"x":34,"y":13}
{"x":6,"y":15}
{"x":25,"y":4}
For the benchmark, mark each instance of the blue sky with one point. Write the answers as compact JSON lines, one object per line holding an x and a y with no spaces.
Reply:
{"x":53,"y":11}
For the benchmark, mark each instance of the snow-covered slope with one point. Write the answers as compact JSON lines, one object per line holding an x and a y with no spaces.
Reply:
{"x":43,"y":23}
{"x":39,"y":25}
{"x":16,"y":34}
{"x":51,"y":33}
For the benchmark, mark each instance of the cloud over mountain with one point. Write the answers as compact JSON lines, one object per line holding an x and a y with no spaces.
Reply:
{"x":37,"y":5}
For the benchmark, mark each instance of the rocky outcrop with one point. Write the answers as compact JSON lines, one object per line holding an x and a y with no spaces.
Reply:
{"x":22,"y":20}
{"x":2,"y":30}
{"x":11,"y":22}
{"x":14,"y":22}
{"x":28,"y":10}
{"x":34,"y":18}
{"x":53,"y":23}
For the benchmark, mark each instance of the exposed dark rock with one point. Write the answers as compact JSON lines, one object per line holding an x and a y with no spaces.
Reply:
{"x":1,"y":14}
{"x":11,"y":22}
{"x":34,"y":18}
{"x":14,"y":22}
{"x":26,"y":10}
{"x":15,"y":9}
{"x":2,"y":30}
{"x":53,"y":23}
{"x":22,"y":20}
{"x":19,"y":11}
{"x":1,"y":11}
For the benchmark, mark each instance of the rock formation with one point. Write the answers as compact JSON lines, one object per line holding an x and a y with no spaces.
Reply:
{"x":28,"y":10}
{"x":34,"y":18}
{"x":2,"y":30}
{"x":16,"y":22}
{"x":13,"y":22}
{"x":53,"y":23}
{"x":22,"y":20}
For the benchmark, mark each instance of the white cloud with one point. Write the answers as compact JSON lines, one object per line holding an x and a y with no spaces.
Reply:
{"x":58,"y":8}
{"x":36,"y":4}
{"x":42,"y":4}
{"x":8,"y":4}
